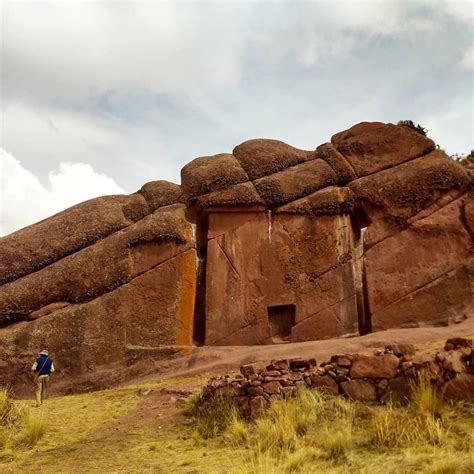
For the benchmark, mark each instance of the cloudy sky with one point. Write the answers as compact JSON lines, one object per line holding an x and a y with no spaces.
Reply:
{"x":101,"y":97}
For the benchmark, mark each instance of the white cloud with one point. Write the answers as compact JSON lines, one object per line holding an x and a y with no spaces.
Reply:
{"x":461,"y":10}
{"x":55,"y":134}
{"x":139,"y":88}
{"x":467,"y":62}
{"x":85,"y":48}
{"x":24,"y":200}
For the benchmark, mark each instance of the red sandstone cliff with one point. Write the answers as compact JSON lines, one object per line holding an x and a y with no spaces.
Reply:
{"x":268,"y":244}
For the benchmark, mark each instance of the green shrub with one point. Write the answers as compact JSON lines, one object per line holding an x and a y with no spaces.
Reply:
{"x":416,"y":128}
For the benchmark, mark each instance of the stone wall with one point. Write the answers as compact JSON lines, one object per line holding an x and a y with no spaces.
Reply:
{"x":387,"y":375}
{"x":278,"y":277}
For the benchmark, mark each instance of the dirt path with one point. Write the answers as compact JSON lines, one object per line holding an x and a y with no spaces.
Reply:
{"x":220,"y":358}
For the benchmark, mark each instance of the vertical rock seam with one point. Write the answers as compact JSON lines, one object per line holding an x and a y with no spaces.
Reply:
{"x":360,"y":222}
{"x":199,"y":324}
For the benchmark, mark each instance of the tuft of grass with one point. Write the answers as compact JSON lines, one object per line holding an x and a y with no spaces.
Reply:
{"x":198,"y":439}
{"x":5,"y":406}
{"x":237,"y":431}
{"x":298,"y":461}
{"x":288,"y":436}
{"x":192,"y":405}
{"x":9,"y":412}
{"x":18,"y":428}
{"x":419,"y":422}
{"x":338,"y":442}
{"x":7,"y":454}
{"x":4,"y":437}
{"x":212,"y":415}
{"x":258,"y":462}
{"x":450,"y":466}
{"x":403,"y":428}
{"x":427,"y":398}
{"x":32,"y":430}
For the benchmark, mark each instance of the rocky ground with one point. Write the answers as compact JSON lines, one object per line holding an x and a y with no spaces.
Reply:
{"x":140,"y":427}
{"x":215,"y":359}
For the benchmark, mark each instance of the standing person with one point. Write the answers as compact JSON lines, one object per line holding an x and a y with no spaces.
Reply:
{"x":43,"y":367}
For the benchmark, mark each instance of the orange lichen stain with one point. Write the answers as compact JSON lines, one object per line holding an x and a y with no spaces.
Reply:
{"x":187,"y":292}
{"x":340,"y":195}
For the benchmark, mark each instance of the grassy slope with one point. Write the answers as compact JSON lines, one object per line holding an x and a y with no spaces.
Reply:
{"x":105,"y":432}
{"x":118,"y":431}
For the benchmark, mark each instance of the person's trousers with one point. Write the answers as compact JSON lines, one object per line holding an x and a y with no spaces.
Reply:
{"x":41,"y":389}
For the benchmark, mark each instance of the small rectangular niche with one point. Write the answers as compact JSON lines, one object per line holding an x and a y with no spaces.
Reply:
{"x":281,"y":319}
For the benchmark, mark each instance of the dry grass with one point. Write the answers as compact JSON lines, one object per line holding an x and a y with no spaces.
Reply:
{"x":4,"y":437}
{"x":237,"y":431}
{"x":33,"y":428}
{"x":403,"y":428}
{"x":420,"y":422}
{"x":309,"y":433}
{"x":212,"y":416}
{"x":427,"y":398}
{"x":19,"y":427}
{"x":322,"y":433}
{"x":10,"y":413}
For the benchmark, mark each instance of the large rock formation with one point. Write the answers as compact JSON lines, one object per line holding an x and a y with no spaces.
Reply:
{"x":268,"y":244}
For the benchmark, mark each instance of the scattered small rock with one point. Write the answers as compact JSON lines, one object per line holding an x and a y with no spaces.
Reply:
{"x":143,"y":392}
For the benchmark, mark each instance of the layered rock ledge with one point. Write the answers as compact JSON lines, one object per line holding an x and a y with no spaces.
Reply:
{"x":266,"y":244}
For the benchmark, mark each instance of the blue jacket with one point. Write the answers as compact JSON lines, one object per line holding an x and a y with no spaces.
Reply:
{"x":43,"y":365}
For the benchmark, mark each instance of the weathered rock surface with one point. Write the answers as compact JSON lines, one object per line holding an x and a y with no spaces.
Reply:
{"x":384,"y":367}
{"x":253,"y":266}
{"x":211,"y":173}
{"x":324,"y":383}
{"x":41,"y":244}
{"x":243,"y":194}
{"x":400,"y":193}
{"x":372,"y":231}
{"x":414,"y":257}
{"x":81,"y":277}
{"x":460,"y":388}
{"x":162,"y":193}
{"x":262,"y":157}
{"x":328,"y":201}
{"x":152,"y":310}
{"x":359,"y":390}
{"x":343,"y":169}
{"x":385,"y":380}
{"x":373,"y":146}
{"x":295,"y":182}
